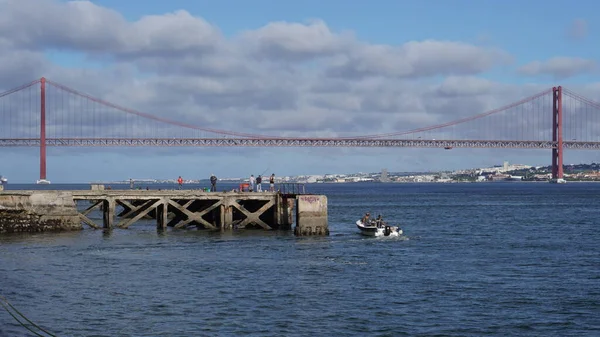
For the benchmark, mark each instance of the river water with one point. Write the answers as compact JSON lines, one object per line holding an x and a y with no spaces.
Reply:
{"x":485,"y":259}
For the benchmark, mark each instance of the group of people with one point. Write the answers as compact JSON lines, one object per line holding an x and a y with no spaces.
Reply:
{"x":213,"y":182}
{"x":367,"y":221}
{"x":255,"y":183}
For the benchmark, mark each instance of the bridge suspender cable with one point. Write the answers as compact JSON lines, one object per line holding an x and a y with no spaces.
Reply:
{"x":459,"y":121}
{"x":149,"y":116}
{"x":24,"y":86}
{"x":257,"y":136}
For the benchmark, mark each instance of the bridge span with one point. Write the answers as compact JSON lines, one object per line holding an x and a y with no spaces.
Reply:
{"x":44,"y":113}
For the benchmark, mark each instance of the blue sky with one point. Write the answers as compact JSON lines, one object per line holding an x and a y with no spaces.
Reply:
{"x":523,"y":31}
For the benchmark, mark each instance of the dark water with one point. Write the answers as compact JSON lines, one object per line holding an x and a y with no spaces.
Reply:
{"x":491,"y":259}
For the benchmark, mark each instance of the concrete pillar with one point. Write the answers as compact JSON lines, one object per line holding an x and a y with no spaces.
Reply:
{"x":228,"y":217}
{"x":162,"y":212}
{"x":226,"y":214}
{"x":108,"y":213}
{"x":311,"y":215}
{"x":97,"y":187}
{"x":285,"y":212}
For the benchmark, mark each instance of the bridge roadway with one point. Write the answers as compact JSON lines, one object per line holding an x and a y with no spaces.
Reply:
{"x":297,"y":142}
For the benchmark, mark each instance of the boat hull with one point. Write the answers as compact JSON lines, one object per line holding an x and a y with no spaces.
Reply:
{"x":366,"y":230}
{"x":378,"y":231}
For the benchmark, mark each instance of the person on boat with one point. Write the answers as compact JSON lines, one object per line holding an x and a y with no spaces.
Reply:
{"x":365,"y":219}
{"x":213,"y":183}
{"x":379,"y":221}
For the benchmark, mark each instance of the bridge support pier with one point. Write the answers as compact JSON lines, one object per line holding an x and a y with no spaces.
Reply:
{"x":557,"y":136}
{"x":42,"y":128}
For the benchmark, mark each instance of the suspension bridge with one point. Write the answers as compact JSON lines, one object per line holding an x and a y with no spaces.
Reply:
{"x":44,"y":113}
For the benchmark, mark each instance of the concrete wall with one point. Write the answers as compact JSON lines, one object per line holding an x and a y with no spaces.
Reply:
{"x":97,"y":187}
{"x":311,"y":215}
{"x":37,"y":211}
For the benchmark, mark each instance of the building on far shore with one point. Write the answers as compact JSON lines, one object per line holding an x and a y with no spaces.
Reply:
{"x":384,"y":176}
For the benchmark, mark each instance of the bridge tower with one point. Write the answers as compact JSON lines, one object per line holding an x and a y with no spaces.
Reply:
{"x":42,"y":129}
{"x":557,"y":135}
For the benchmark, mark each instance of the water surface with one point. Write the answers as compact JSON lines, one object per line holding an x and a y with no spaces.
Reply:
{"x":486,"y":259}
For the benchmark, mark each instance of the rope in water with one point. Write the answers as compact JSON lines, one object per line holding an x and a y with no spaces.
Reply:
{"x":13,"y":312}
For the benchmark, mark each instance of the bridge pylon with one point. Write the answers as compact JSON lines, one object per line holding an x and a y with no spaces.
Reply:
{"x":42,"y":129}
{"x":557,"y":135}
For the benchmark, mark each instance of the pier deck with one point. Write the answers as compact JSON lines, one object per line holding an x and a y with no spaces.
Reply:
{"x":178,"y":209}
{"x":184,"y":208}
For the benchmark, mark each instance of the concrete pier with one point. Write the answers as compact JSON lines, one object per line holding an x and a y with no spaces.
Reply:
{"x":27,"y":211}
{"x":38,"y":212}
{"x":311,"y":215}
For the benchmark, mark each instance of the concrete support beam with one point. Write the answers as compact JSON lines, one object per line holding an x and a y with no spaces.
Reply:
{"x":285,"y":211}
{"x":161,"y":215}
{"x":311,"y":215}
{"x":108,"y":213}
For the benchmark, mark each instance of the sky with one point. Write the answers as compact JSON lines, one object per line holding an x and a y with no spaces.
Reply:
{"x":302,"y":68}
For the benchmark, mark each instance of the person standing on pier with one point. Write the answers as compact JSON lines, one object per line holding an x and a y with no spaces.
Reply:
{"x":272,"y":183}
{"x":130,"y":183}
{"x":180,"y":182}
{"x":259,"y":183}
{"x":252,"y":183}
{"x":213,"y":183}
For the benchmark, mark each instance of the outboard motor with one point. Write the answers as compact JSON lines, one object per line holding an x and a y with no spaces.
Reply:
{"x":387,"y":231}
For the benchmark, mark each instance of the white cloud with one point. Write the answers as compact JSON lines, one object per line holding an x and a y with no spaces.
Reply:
{"x":416,"y":59}
{"x":465,"y":86}
{"x":84,"y":26}
{"x":559,"y":67}
{"x":295,"y":41}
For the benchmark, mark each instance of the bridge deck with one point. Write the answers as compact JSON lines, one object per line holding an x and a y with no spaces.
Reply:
{"x":299,"y":142}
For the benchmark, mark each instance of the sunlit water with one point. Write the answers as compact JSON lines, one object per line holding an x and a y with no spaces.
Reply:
{"x":490,"y":259}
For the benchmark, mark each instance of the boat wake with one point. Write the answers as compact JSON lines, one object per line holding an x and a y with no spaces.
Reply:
{"x":393,"y":234}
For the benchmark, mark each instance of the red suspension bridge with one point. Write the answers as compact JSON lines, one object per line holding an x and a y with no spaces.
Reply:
{"x":45,"y":113}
